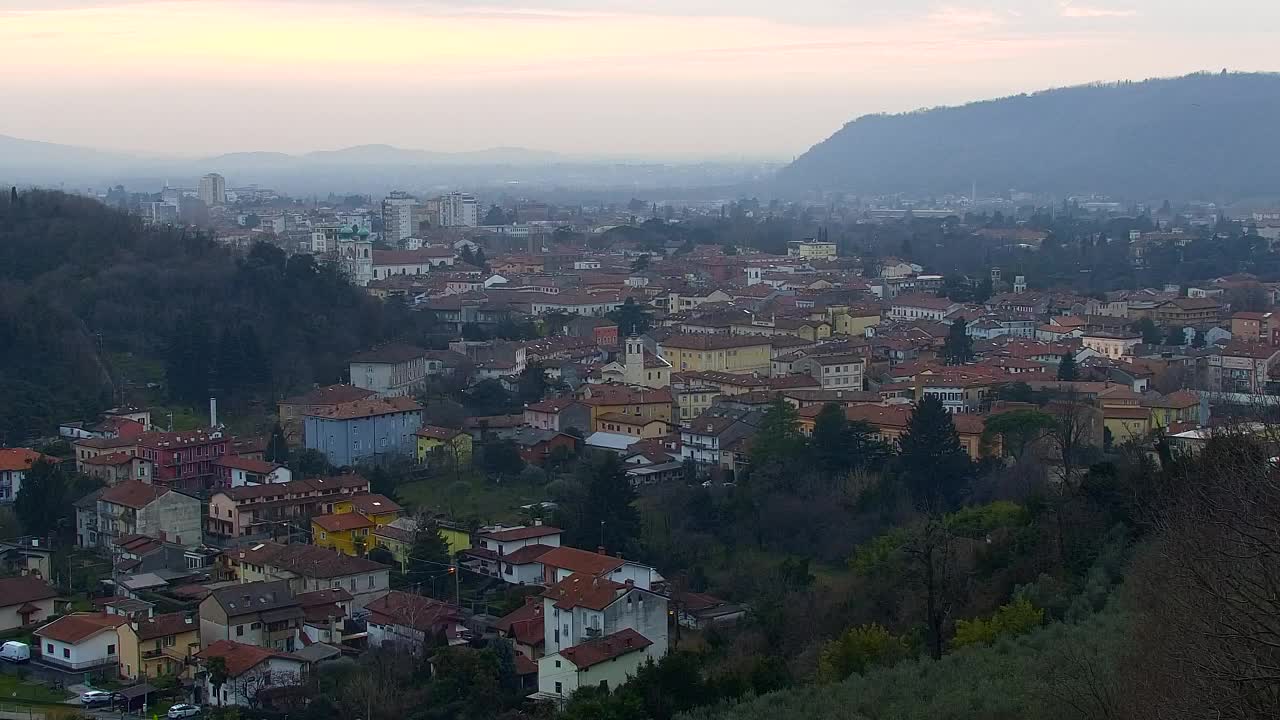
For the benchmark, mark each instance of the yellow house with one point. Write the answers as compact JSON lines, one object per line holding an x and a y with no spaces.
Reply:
{"x":455,"y":445}
{"x":348,"y":533}
{"x":1176,"y":407}
{"x":158,"y":645}
{"x":846,"y":320}
{"x":725,"y":353}
{"x":605,"y":399}
{"x":381,"y":509}
{"x":1126,"y":423}
{"x":640,"y":427}
{"x":396,"y":541}
{"x":457,"y":537}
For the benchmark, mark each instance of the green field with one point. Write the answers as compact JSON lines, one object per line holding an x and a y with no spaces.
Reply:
{"x":13,"y":688}
{"x":471,"y":497}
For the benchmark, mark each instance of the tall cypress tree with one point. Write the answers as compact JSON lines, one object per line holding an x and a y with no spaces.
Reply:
{"x":932,"y":463}
{"x":1067,"y":370}
{"x":958,"y":349}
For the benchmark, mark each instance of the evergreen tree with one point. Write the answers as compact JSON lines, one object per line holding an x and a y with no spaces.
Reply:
{"x":958,"y":348}
{"x":778,"y":440}
{"x":1177,"y":336}
{"x":429,"y":560}
{"x":43,"y":498}
{"x":278,"y":446}
{"x":1067,"y":371}
{"x":932,"y":462}
{"x":631,"y":318}
{"x":532,"y":385}
{"x":828,"y":445}
{"x":480,"y":260}
{"x":604,"y":510}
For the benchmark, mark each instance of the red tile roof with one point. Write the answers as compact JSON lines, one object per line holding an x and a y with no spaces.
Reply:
{"x":20,"y":458}
{"x":329,"y":395}
{"x":241,"y":658}
{"x":594,"y":652}
{"x":414,"y":611}
{"x":373,"y":504}
{"x":73,"y":628}
{"x":523,"y":533}
{"x":236,"y":462}
{"x":526,"y":554}
{"x":580,"y":590}
{"x":24,"y":588}
{"x":342,"y":522}
{"x":437,"y":432}
{"x":581,"y":561}
{"x":369,"y":407}
{"x":133,"y":494}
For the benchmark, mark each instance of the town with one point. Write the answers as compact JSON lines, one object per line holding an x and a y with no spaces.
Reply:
{"x":591,"y":441}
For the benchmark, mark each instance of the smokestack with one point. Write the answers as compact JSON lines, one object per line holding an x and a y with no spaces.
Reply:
{"x":213,"y":413}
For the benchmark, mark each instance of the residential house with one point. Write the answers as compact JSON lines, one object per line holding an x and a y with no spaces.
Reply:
{"x":1111,"y":344}
{"x":604,"y":399}
{"x":263,"y":613}
{"x":699,"y":611}
{"x":559,"y":414}
{"x":1259,"y":327}
{"x":724,"y":353}
{"x":607,"y":661}
{"x":87,"y":448}
{"x":158,"y":645}
{"x":84,"y":642}
{"x":235,"y":471}
{"x":396,"y":540}
{"x":581,"y":609}
{"x":1176,"y":408}
{"x":266,"y":511}
{"x":117,"y":467}
{"x":443,"y":446}
{"x":536,"y":446}
{"x":184,"y":460}
{"x":1124,"y":423}
{"x":917,"y":307}
{"x":136,"y":508}
{"x":24,"y":600}
{"x":308,"y":567}
{"x":14,"y":465}
{"x":252,"y":671}
{"x":834,"y":372}
{"x":401,"y":619}
{"x":372,"y":430}
{"x":490,"y":548}
{"x":640,"y":427}
{"x":706,"y":437}
{"x":1242,"y":367}
{"x":1198,"y":313}
{"x":392,"y":370}
{"x":325,"y":615}
{"x":524,"y":627}
{"x":349,"y":528}
{"x":561,"y":562}
{"x":322,"y":399}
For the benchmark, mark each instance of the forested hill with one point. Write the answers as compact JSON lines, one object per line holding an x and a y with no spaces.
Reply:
{"x":1194,"y":137}
{"x":92,"y":302}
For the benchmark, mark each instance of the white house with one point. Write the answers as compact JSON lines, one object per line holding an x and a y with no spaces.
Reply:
{"x":582,"y":608}
{"x":80,"y":641}
{"x":14,"y":464}
{"x":391,"y":370}
{"x":250,"y":670}
{"x":611,"y":659}
{"x":834,"y":372}
{"x":512,"y":553}
{"x":410,"y":262}
{"x":562,"y":562}
{"x":239,"y":471}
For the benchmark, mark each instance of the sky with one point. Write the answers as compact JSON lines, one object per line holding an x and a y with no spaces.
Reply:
{"x":659,"y":78}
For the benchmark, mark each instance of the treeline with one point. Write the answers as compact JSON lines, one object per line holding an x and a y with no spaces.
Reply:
{"x":95,"y":306}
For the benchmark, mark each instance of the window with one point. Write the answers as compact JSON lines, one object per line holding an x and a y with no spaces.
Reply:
{"x":558,"y":688}
{"x":111,"y":649}
{"x":48,"y":648}
{"x":370,"y":582}
{"x":352,"y":583}
{"x":255,"y":626}
{"x":557,"y":663}
{"x":66,"y":653}
{"x":239,"y":630}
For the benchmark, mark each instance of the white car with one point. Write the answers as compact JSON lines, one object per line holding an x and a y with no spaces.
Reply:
{"x":182,"y":710}
{"x":95,"y":697}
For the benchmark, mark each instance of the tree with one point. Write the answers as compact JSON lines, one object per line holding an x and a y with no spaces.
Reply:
{"x":857,"y":650}
{"x":604,"y":512}
{"x":1067,"y":371}
{"x":532,"y":385}
{"x":1177,"y":336}
{"x":827,"y":444}
{"x":495,"y":216}
{"x":984,"y":291}
{"x":958,"y":348}
{"x":632,"y":319}
{"x":1199,"y":340}
{"x":216,"y":667}
{"x":778,"y":440}
{"x":277,"y":446}
{"x":309,"y":463}
{"x":1019,"y":429}
{"x":44,"y":500}
{"x":501,"y":459}
{"x":640,"y":264}
{"x":429,"y":558}
{"x":932,"y":462}
{"x":1151,"y":334}
{"x":1016,"y":618}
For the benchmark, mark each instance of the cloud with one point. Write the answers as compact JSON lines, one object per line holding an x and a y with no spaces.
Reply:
{"x":1071,"y":10}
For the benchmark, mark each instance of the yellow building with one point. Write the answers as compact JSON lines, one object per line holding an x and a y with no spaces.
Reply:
{"x":846,"y":320}
{"x":158,"y":645}
{"x":1177,"y":407}
{"x":724,"y":353}
{"x":605,"y":399}
{"x":457,"y":537}
{"x":811,"y":249}
{"x":1126,"y":423}
{"x":396,"y":541}
{"x":634,"y":425}
{"x":347,"y":533}
{"x":451,"y":445}
{"x":381,"y":509}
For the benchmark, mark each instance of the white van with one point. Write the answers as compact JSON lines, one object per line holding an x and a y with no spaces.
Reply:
{"x":15,"y":652}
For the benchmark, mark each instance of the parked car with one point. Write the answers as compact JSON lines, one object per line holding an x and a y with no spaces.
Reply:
{"x":96,"y":697}
{"x":182,"y":710}
{"x":15,"y":652}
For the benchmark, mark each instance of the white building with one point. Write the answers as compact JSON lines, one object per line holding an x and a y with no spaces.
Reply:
{"x":392,"y":370}
{"x":458,"y":210}
{"x":834,"y":372}
{"x":397,"y":217}
{"x":251,"y":670}
{"x":80,"y":641}
{"x":612,"y":660}
{"x":213,"y":189}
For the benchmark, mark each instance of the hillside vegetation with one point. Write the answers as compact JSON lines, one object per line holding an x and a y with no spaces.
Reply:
{"x":95,"y":307}
{"x":1199,"y":136}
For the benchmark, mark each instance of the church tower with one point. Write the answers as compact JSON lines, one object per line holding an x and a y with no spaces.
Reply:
{"x":633,"y":363}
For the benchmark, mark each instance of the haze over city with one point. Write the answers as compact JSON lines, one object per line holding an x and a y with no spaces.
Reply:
{"x":623,"y":79}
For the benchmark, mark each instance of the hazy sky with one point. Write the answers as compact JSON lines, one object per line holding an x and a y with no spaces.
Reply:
{"x":661,"y":77}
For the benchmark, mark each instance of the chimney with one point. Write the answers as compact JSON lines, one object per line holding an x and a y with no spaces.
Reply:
{"x":213,"y":413}
{"x":600,"y":549}
{"x":629,"y":583}
{"x":134,"y":624}
{"x":537,"y":522}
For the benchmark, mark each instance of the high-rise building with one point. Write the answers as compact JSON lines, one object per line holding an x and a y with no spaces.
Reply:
{"x":458,"y":210}
{"x":397,"y":216}
{"x":213,"y":189}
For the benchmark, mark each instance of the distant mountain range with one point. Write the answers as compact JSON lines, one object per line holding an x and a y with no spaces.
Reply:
{"x":1208,"y":136}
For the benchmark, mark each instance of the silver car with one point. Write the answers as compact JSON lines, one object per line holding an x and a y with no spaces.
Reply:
{"x":182,"y":710}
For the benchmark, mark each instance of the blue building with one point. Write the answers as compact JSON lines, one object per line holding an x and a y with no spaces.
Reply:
{"x":371,"y":430}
